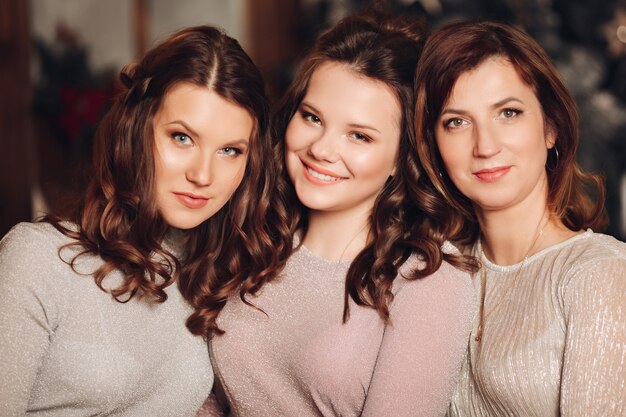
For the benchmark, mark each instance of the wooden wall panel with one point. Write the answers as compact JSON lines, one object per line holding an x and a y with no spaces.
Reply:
{"x":270,"y":38}
{"x":17,"y":165}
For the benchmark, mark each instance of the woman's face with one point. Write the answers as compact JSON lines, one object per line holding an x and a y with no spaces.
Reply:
{"x":201,"y":147}
{"x":342,"y":142}
{"x":492,"y":138}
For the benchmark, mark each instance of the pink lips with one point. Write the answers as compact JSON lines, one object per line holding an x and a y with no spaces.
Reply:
{"x":191,"y":201}
{"x":492,"y":174}
{"x":317,"y":181}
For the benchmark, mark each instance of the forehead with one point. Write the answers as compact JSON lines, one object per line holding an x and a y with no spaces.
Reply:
{"x":492,"y":79}
{"x":351,"y":94}
{"x":204,"y":111}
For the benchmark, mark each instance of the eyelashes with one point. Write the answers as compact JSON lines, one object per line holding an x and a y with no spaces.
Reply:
{"x":313,"y":119}
{"x":181,"y":138}
{"x":506,"y":114}
{"x":231,"y":151}
{"x":184,"y":140}
{"x":310,"y":117}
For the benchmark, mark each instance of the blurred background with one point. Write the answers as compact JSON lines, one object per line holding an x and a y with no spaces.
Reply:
{"x":59,"y":61}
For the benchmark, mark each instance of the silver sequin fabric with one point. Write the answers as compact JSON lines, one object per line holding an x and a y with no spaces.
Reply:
{"x":293,"y":356}
{"x":68,"y":349}
{"x":555,"y":342}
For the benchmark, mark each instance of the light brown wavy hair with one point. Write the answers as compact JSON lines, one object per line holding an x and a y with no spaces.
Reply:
{"x":576,"y":197}
{"x":409,"y":216}
{"x":118,"y":218}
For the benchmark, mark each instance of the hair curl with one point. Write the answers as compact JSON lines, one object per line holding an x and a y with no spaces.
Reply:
{"x":574,"y":196}
{"x":118,"y":218}
{"x":408,"y":216}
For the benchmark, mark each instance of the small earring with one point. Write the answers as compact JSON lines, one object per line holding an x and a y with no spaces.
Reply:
{"x":440,"y":174}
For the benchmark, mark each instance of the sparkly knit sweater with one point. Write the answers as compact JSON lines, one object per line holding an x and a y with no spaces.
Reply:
{"x":297,"y":358}
{"x":68,"y":349}
{"x":554,"y":335}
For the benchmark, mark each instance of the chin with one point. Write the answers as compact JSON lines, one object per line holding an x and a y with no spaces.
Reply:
{"x":182,"y":223}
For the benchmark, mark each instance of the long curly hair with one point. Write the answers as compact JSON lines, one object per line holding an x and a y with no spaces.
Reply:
{"x":118,"y":218}
{"x":574,"y":196}
{"x":408,"y":217}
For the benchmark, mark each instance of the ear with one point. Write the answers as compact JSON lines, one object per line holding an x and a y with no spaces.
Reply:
{"x":550,"y":137}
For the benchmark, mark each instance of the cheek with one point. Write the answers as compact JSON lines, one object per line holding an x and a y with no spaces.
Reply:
{"x":449,"y":153}
{"x":293,"y":143}
{"x":234,"y":179}
{"x":295,"y":136}
{"x":374,"y":162}
{"x":168,"y":163}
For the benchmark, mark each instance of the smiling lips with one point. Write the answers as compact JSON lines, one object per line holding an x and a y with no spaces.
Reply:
{"x":492,"y":174}
{"x":191,"y":201}
{"x":319,"y":176}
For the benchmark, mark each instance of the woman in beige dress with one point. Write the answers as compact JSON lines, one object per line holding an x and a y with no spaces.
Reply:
{"x":498,"y":133}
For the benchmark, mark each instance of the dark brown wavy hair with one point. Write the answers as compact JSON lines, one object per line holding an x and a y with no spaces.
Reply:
{"x":576,"y":197}
{"x":118,"y":218}
{"x":409,"y":217}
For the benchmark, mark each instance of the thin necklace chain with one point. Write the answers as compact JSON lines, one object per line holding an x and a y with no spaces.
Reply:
{"x":483,"y":280}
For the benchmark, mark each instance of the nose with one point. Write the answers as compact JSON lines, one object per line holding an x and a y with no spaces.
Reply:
{"x":323,"y":147}
{"x":199,"y":170}
{"x":486,"y":141}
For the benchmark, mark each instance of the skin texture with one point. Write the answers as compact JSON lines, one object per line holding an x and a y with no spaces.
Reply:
{"x":492,"y":138}
{"x":201,"y":146}
{"x":347,"y":130}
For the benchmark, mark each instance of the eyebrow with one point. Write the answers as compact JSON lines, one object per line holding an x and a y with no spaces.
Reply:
{"x":185,"y":125}
{"x":493,"y":106}
{"x":352,"y":125}
{"x":241,"y":141}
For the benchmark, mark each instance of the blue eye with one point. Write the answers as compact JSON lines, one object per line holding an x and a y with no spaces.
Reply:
{"x":181,"y":138}
{"x":230,"y":151}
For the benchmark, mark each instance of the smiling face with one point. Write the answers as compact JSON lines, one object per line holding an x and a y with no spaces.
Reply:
{"x":492,"y":138}
{"x":201,"y":146}
{"x":342,"y":142}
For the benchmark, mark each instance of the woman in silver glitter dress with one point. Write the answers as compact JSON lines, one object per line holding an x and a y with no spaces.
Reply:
{"x":92,"y":306}
{"x":498,"y":133}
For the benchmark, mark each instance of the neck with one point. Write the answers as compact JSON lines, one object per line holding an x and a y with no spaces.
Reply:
{"x":510,"y":236}
{"x":336,"y":235}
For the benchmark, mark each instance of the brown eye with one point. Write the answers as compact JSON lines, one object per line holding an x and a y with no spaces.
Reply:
{"x":360,"y":137}
{"x":509,"y":113}
{"x":454,"y":123}
{"x":311,"y":117}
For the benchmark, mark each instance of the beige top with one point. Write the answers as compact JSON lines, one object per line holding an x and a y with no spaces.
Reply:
{"x":297,"y":358}
{"x":68,"y":349}
{"x":555,"y":342}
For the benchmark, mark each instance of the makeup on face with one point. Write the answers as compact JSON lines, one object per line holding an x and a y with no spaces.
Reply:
{"x":492,"y":138}
{"x":200,"y":153}
{"x":342,"y":142}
